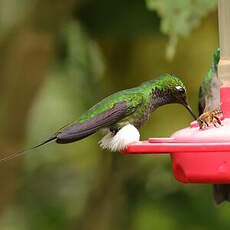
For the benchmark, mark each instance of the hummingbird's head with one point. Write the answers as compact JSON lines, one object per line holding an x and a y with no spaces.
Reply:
{"x":175,"y":90}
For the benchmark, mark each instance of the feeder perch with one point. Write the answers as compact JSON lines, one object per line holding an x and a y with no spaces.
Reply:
{"x":201,"y":156}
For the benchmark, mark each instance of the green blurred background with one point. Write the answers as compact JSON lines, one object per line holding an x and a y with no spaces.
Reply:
{"x":58,"y":58}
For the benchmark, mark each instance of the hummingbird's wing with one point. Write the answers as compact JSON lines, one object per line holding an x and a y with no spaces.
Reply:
{"x":209,"y":94}
{"x":104,"y":119}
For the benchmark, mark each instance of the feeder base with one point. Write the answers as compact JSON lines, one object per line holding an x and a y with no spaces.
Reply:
{"x":201,"y":167}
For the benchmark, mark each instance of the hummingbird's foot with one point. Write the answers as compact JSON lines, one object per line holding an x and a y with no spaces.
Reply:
{"x":114,"y":131}
{"x":125,"y":136}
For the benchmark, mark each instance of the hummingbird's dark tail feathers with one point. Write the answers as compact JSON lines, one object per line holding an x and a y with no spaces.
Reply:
{"x":221,"y":193}
{"x":17,"y":154}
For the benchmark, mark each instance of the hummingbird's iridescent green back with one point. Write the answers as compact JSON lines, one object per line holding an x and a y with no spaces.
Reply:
{"x":137,"y":99}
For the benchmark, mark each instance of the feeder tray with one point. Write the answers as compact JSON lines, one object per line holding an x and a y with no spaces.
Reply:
{"x":198,"y":156}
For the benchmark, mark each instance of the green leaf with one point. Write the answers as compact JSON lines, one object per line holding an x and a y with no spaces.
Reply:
{"x":180,"y":17}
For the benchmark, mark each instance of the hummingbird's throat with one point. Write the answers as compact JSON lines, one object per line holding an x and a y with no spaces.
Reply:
{"x":163,"y":97}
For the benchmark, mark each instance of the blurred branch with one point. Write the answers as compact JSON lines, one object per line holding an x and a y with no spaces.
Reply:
{"x":107,"y":206}
{"x":25,"y":53}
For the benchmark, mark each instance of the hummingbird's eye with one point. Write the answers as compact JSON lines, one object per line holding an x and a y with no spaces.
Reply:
{"x":180,"y":89}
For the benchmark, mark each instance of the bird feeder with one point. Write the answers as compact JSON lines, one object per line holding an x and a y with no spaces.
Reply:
{"x":201,"y":156}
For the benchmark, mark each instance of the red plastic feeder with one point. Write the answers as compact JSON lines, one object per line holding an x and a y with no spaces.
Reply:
{"x":198,"y":156}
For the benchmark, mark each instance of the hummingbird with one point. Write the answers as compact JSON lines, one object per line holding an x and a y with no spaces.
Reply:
{"x":209,"y":100}
{"x":209,"y":94}
{"x":121,"y":114}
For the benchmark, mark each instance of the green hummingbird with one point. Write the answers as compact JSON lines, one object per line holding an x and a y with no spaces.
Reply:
{"x":209,"y":100}
{"x":121,"y":114}
{"x":209,"y":94}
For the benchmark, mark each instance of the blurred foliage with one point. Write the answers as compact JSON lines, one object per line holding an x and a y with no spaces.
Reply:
{"x":105,"y":46}
{"x":11,"y":12}
{"x":180,"y":17}
{"x":117,"y":18}
{"x":78,"y":67}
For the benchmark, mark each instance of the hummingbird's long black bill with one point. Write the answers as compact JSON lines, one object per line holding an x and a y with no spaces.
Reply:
{"x":190,"y":111}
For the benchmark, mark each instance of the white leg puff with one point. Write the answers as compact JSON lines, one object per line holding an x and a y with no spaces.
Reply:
{"x":125,"y":136}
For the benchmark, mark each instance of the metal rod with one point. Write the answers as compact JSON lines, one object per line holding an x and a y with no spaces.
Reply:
{"x":224,"y":40}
